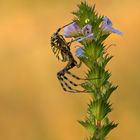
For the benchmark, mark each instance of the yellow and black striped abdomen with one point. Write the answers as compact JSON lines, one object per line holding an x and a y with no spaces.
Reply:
{"x":58,"y":53}
{"x":60,"y":48}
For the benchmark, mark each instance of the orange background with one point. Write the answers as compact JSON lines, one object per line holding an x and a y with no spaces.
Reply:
{"x":32,"y":104}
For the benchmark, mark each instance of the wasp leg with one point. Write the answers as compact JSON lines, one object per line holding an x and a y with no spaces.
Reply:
{"x":72,"y":89}
{"x":78,"y":78}
{"x":62,"y":84}
{"x":59,"y":29}
{"x":61,"y":77}
{"x":71,"y":82}
{"x":74,"y":76}
{"x":68,"y":88}
{"x":79,"y":65}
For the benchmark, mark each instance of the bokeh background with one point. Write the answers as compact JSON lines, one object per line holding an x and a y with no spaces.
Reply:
{"x":32,"y":104}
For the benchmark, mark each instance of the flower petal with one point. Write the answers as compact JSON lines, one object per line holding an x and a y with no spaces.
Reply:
{"x":79,"y":52}
{"x":88,"y":37}
{"x":107,"y":21}
{"x":71,"y":30}
{"x":116,"y":31}
{"x":87,"y":29}
{"x":108,"y":28}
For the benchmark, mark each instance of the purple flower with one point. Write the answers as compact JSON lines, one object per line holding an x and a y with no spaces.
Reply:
{"x":87,"y":29}
{"x":80,"y":52}
{"x":88,"y":37}
{"x":87,"y":32}
{"x":107,"y":26}
{"x":71,"y":30}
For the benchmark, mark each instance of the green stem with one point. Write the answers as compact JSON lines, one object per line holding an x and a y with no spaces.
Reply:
{"x":96,"y":58}
{"x":98,"y":124}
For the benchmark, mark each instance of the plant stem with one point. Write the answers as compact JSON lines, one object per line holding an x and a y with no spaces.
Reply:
{"x":94,"y":55}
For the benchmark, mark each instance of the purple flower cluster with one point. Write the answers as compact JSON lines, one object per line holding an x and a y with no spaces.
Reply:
{"x":73,"y":30}
{"x":86,"y":33}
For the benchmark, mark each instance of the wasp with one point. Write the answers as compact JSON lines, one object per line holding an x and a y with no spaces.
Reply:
{"x":61,"y":49}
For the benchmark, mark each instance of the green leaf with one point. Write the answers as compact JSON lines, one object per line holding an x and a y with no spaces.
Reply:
{"x":84,"y":13}
{"x":105,"y":121}
{"x":106,"y":129}
{"x":101,"y":74}
{"x":107,"y":59}
{"x":107,"y":90}
{"x":100,"y":108}
{"x":89,"y":126}
{"x":90,"y":88}
{"x":102,"y":37}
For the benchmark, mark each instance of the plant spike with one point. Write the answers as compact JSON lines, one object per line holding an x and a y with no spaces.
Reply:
{"x":94,"y":55}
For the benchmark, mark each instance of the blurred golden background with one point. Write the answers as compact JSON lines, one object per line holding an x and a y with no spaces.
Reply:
{"x":32,"y":104}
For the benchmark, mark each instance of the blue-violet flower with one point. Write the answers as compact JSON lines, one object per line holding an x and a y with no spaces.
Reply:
{"x":107,"y":26}
{"x":87,"y":29}
{"x":71,"y":30}
{"x":80,"y":52}
{"x":88,"y":37}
